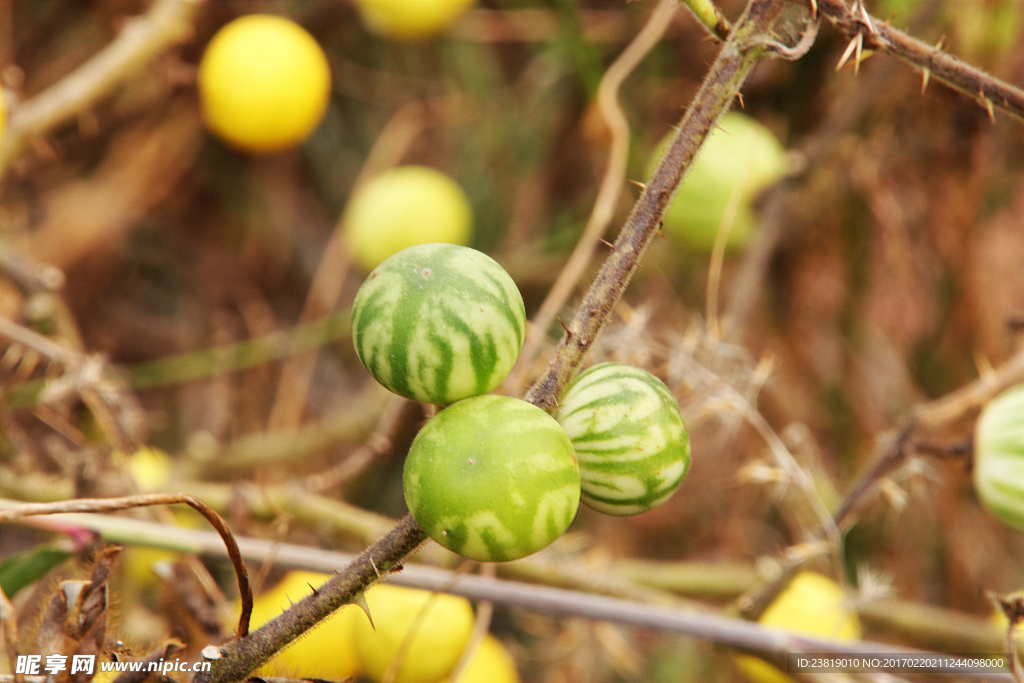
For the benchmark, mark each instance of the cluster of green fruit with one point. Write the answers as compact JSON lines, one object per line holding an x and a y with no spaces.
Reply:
{"x":421,"y":633}
{"x":495,"y":478}
{"x":264,"y":81}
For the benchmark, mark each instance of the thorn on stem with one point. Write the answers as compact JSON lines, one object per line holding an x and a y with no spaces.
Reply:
{"x":739,"y":96}
{"x":642,"y":186}
{"x":926,"y":75}
{"x":568,"y":332}
{"x":605,"y":242}
{"x":987,"y":103}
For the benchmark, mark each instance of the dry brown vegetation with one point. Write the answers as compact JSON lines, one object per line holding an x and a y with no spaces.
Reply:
{"x":883,"y":296}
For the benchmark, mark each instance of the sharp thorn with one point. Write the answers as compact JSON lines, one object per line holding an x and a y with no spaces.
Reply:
{"x":857,"y":58}
{"x":847,"y":54}
{"x":360,"y":600}
{"x":606,"y":243}
{"x":568,"y":332}
{"x":987,"y":103}
{"x":925,"y":77}
{"x":739,"y":96}
{"x":642,"y":186}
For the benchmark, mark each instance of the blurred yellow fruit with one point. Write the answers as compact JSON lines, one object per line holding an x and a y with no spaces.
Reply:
{"x":327,"y":651}
{"x":440,"y":637}
{"x":738,"y":160}
{"x":403,"y":207}
{"x":491,"y":663}
{"x":151,"y":467}
{"x":3,"y":117}
{"x":264,"y":83}
{"x":410,"y":20}
{"x":812,"y":605}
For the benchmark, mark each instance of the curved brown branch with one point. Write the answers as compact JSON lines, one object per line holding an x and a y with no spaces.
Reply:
{"x":146,"y":500}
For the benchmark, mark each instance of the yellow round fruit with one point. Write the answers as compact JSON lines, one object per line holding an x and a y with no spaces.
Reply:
{"x":812,"y":605}
{"x":491,"y":663}
{"x":403,"y":207}
{"x":264,"y":83}
{"x":410,"y":20}
{"x":442,"y":632}
{"x":326,"y":651}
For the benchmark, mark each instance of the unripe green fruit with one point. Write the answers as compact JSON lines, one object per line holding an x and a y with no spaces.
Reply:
{"x":438,"y":323}
{"x":403,"y":207}
{"x":999,"y":457}
{"x":740,"y":156}
{"x":629,"y":438}
{"x":492,"y":478}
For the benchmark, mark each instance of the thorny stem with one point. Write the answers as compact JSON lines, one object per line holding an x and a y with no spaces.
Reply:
{"x":238,"y":658}
{"x":611,"y":184}
{"x":735,"y":60}
{"x":931,"y":60}
{"x":737,"y":57}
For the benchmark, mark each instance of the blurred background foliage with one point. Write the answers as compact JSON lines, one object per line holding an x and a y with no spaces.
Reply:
{"x":893,"y":278}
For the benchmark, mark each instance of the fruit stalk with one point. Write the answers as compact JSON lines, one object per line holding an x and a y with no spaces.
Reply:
{"x":735,"y":60}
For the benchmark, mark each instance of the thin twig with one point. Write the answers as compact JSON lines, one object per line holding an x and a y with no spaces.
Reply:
{"x":611,"y":184}
{"x":167,"y":23}
{"x":920,"y":625}
{"x":874,"y":34}
{"x":146,"y":500}
{"x":297,"y":374}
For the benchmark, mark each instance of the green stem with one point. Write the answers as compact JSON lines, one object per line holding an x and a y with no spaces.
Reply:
{"x":195,"y":365}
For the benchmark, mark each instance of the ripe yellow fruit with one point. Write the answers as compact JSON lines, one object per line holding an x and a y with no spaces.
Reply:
{"x":264,"y":83}
{"x":434,"y":649}
{"x":812,"y":605}
{"x":410,"y":20}
{"x":491,"y":663}
{"x":403,"y":207}
{"x":327,"y":651}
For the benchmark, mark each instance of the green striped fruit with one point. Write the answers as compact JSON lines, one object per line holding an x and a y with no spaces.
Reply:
{"x":999,"y":457}
{"x":438,"y":323}
{"x":492,"y":478}
{"x":629,"y":437}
